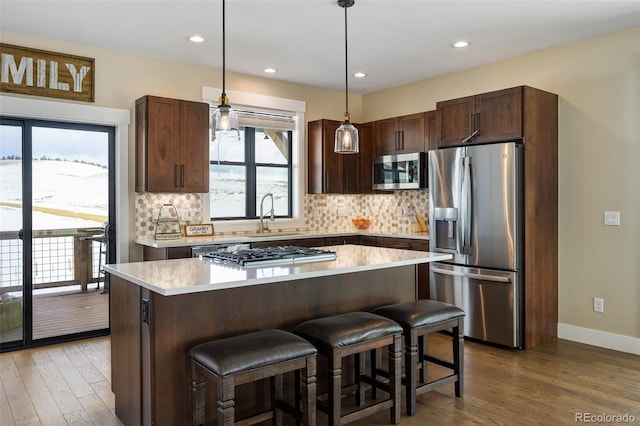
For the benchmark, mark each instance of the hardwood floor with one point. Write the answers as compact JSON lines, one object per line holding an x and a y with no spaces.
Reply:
{"x":549,"y":385}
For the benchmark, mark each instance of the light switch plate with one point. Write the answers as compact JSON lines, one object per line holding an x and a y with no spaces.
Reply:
{"x":612,"y":218}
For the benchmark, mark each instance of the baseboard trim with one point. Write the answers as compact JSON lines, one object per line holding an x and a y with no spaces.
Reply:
{"x":603,"y":339}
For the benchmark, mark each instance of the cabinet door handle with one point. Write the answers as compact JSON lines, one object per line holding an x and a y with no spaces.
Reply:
{"x":471,"y":136}
{"x":401,"y":139}
{"x":326,"y":181}
{"x":175,"y":176}
{"x":473,"y":120}
{"x":182,"y":175}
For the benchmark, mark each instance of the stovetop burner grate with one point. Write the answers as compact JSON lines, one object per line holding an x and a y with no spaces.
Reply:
{"x":272,"y":255}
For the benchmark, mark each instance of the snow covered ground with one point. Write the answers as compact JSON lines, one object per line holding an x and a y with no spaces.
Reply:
{"x":75,"y":189}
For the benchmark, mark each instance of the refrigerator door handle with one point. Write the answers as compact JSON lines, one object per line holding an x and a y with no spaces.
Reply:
{"x":483,"y":277}
{"x":465,"y":206}
{"x":469,"y":206}
{"x":463,"y":210}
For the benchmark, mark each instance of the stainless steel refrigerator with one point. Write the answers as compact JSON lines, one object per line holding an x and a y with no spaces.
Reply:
{"x":475,"y":214}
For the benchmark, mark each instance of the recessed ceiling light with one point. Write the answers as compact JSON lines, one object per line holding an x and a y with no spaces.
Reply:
{"x":196,"y":38}
{"x":360,"y":75}
{"x":461,"y":43}
{"x":270,"y":70}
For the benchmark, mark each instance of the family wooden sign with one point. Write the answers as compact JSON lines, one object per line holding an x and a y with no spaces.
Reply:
{"x":41,"y":73}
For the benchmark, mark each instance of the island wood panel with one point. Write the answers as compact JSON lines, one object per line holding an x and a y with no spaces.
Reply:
{"x":125,"y":349}
{"x":177,"y":323}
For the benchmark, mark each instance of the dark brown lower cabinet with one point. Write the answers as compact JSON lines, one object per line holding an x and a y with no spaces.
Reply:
{"x":405,"y":244}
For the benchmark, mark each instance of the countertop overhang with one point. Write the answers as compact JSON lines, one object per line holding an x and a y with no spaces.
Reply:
{"x":192,"y":275}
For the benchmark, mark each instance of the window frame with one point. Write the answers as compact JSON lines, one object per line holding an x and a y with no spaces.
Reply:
{"x":252,"y":101}
{"x":251,"y":180}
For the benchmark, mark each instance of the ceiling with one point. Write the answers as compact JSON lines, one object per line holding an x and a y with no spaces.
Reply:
{"x":394,"y":41}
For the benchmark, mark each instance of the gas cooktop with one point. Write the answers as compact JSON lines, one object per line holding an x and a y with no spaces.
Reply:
{"x":271,"y":256}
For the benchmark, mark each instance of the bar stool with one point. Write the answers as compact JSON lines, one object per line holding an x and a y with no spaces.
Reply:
{"x":250,"y":357}
{"x":354,"y":333}
{"x":418,"y":319}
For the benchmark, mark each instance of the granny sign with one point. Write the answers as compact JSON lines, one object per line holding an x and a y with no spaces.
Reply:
{"x":41,"y":73}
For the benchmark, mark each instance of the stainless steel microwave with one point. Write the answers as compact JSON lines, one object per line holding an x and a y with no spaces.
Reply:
{"x":401,"y":171}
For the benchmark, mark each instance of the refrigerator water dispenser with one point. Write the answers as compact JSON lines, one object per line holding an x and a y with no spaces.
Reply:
{"x":446,"y":228}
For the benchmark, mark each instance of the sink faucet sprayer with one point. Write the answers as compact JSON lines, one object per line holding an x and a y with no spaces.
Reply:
{"x":265,"y":226}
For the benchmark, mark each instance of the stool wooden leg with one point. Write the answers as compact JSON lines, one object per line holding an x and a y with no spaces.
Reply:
{"x":395,"y":373}
{"x":423,"y":364}
{"x":308,"y":382}
{"x":410,"y":370}
{"x":198,"y":386}
{"x":359,"y":371}
{"x":458,"y":357}
{"x":226,"y":402}
{"x":374,"y":372}
{"x":277,"y":394}
{"x":298,"y":395}
{"x":335,"y":389}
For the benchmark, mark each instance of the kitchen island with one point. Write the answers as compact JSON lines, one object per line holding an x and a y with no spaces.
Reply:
{"x":160,"y":309}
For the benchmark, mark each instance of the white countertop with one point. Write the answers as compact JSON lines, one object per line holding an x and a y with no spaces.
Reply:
{"x":271,"y":236}
{"x":183,"y":276}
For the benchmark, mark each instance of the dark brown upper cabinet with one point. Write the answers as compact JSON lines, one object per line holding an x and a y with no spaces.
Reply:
{"x":399,"y":135}
{"x":367,"y":138}
{"x":328,"y":172}
{"x":487,"y":117}
{"x":172,"y":145}
{"x":431,"y":140}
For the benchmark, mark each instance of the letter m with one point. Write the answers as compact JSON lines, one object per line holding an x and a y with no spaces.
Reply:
{"x":17,"y":73}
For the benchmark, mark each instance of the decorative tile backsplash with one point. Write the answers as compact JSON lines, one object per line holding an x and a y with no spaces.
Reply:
{"x":388,"y":212}
{"x":148,"y":206}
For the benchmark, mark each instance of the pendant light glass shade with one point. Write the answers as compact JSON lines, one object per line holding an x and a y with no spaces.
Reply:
{"x":224,"y":119}
{"x":346,"y":141}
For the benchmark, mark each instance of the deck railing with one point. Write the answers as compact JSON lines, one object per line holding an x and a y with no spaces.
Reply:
{"x":61,"y":257}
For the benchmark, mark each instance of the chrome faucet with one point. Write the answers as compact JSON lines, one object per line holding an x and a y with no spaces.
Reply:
{"x":265,"y":226}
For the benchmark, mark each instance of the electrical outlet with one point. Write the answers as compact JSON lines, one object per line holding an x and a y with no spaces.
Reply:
{"x":400,"y":212}
{"x":185,"y":215}
{"x":342,"y":211}
{"x":155,"y":214}
{"x":612,"y":218}
{"x":598,"y":304}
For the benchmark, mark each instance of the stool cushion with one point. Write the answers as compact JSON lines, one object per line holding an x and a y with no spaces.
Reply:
{"x":248,"y":351}
{"x":420,"y":313}
{"x":346,"y":329}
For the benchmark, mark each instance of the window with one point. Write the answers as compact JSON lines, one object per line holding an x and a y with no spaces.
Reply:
{"x":269,"y":116}
{"x":243,"y":172}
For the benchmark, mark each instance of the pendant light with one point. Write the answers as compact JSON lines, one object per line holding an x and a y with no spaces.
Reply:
{"x":225,"y":119}
{"x":346,"y":141}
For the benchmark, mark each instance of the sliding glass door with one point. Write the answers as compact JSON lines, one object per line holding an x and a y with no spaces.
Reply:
{"x":57,"y":209}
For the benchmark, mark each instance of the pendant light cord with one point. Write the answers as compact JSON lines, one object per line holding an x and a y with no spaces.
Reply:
{"x":224,"y":95}
{"x":346,"y":66}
